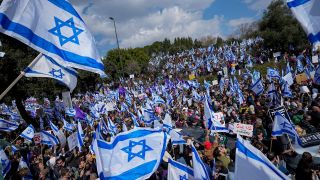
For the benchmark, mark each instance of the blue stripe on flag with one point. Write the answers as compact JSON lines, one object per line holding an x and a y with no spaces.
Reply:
{"x":314,"y":38}
{"x":242,"y":148}
{"x":181,"y":167}
{"x":133,"y":173}
{"x":296,"y":3}
{"x":39,"y":42}
{"x":65,"y":5}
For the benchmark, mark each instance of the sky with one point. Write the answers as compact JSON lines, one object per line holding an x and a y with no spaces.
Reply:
{"x":142,"y":22}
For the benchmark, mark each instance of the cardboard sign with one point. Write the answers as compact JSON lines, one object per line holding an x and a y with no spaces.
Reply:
{"x":72,"y":141}
{"x":300,"y":78}
{"x":37,"y":138}
{"x":243,"y":129}
{"x":281,"y":110}
{"x":315,"y":59}
{"x":192,"y":76}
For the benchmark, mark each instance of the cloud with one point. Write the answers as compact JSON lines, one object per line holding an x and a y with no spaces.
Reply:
{"x":142,"y":22}
{"x":257,"y":5}
{"x":239,"y":21}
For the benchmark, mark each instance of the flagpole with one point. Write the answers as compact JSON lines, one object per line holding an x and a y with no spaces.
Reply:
{"x":22,"y":73}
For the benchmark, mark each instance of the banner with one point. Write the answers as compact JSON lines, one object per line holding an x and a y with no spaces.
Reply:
{"x":281,"y":110}
{"x":72,"y":141}
{"x":243,"y":129}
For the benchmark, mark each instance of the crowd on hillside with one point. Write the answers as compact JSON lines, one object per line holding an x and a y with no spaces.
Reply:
{"x":175,"y":101}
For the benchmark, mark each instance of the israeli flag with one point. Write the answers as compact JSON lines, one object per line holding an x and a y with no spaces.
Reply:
{"x":274,"y":96}
{"x":273,"y":73}
{"x":206,"y":84}
{"x":134,"y":119}
{"x":8,"y":126}
{"x":48,"y":139}
{"x":199,"y":169}
{"x":176,"y":138}
{"x":209,"y":120}
{"x":135,"y":154}
{"x":59,"y":32}
{"x":22,"y":165}
{"x":316,"y":78}
{"x":5,"y":163}
{"x":167,"y":121}
{"x":67,"y":126}
{"x":157,"y":99}
{"x":177,"y":170}
{"x":307,"y":13}
{"x":257,"y":87}
{"x":252,"y":164}
{"x":28,"y":133}
{"x":281,"y":126}
{"x":47,"y":67}
{"x":286,"y":91}
{"x":54,"y":127}
{"x":80,"y":136}
{"x":299,"y":65}
{"x":288,"y":68}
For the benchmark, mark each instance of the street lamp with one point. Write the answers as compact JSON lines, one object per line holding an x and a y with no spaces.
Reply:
{"x":115,"y":31}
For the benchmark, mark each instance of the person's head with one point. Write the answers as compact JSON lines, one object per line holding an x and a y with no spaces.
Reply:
{"x":82,"y":164}
{"x":61,"y":162}
{"x":306,"y":158}
{"x":65,"y":174}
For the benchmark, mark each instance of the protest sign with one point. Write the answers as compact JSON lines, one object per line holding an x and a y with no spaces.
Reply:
{"x":67,"y":100}
{"x":218,"y":116}
{"x":276,"y":54}
{"x":300,"y":78}
{"x":37,"y":138}
{"x":191,"y":76}
{"x":288,"y":78}
{"x":304,"y":89}
{"x":72,"y":141}
{"x":243,"y":129}
{"x":131,"y":76}
{"x":62,"y":138}
{"x":215,"y":82}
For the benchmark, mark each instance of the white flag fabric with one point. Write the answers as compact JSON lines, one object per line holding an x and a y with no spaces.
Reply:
{"x":8,"y":126}
{"x":134,"y":154}
{"x":48,"y":139}
{"x":281,"y":126}
{"x":199,"y":169}
{"x":307,"y":13}
{"x":47,"y":67}
{"x":80,"y":136}
{"x":59,"y":32}
{"x":177,"y":170}
{"x":176,"y":138}
{"x":5,"y":162}
{"x":28,"y":133}
{"x":252,"y":164}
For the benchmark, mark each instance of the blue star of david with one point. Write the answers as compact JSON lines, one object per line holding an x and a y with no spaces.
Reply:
{"x":56,"y":73}
{"x":29,"y":131}
{"x":184,"y":177}
{"x":63,"y":38}
{"x":259,"y":86}
{"x":141,"y":154}
{"x":286,"y":125}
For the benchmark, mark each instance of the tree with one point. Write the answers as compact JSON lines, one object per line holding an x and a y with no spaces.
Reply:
{"x":280,"y":29}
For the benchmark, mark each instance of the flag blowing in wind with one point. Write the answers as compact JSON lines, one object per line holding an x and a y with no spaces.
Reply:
{"x":47,"y":67}
{"x":307,"y":13}
{"x":134,"y":154}
{"x":59,"y":32}
{"x":252,"y":164}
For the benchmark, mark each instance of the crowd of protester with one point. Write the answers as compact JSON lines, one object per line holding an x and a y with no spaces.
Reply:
{"x":122,"y":103}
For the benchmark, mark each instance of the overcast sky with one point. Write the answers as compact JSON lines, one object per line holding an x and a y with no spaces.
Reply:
{"x":141,"y":22}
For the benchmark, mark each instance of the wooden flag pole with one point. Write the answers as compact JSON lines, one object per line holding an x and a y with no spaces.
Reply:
{"x":22,"y":73}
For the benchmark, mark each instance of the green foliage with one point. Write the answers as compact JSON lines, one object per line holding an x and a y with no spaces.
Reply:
{"x":280,"y":29}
